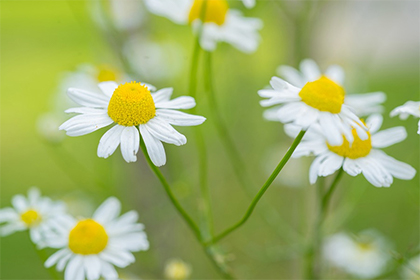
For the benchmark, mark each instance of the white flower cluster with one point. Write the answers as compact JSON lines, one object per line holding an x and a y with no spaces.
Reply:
{"x":89,"y":248}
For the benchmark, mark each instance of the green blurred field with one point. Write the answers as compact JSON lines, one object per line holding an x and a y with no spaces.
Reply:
{"x":42,"y":39}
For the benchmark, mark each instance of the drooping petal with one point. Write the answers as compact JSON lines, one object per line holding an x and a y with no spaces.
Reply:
{"x":179,"y":118}
{"x":92,"y":266}
{"x":398,"y":169}
{"x":130,"y":143}
{"x":154,"y":147}
{"x":110,"y":141}
{"x":75,"y":269}
{"x":165,"y":132}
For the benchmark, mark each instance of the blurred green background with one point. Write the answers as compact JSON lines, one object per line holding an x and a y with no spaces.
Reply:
{"x":377,"y":43}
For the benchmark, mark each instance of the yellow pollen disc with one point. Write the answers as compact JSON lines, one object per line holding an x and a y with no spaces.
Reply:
{"x":131,"y":104}
{"x":31,"y":217}
{"x":215,"y":11}
{"x":107,"y":73}
{"x":87,"y":238}
{"x":364,"y":246}
{"x":359,"y":148}
{"x":324,"y":95}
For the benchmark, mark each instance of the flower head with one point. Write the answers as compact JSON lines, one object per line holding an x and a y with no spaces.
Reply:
{"x":364,"y":255}
{"x":220,"y":23}
{"x":320,"y":101}
{"x":176,"y":269}
{"x":91,"y":247}
{"x":363,"y":104}
{"x":131,"y":108}
{"x":409,"y":108}
{"x":411,"y":271}
{"x":362,"y":156}
{"x":34,"y":213}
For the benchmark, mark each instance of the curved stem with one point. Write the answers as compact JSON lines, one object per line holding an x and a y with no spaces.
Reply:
{"x":171,"y":196}
{"x":311,"y":271}
{"x":261,"y":192}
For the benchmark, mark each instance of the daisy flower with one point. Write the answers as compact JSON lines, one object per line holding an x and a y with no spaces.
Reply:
{"x":320,"y":101}
{"x":176,"y":269}
{"x":131,"y":108}
{"x":221,"y":24}
{"x":364,"y":255}
{"x":409,"y":108}
{"x":363,"y":156}
{"x":90,"y":248}
{"x":34,"y":213}
{"x":363,"y":104}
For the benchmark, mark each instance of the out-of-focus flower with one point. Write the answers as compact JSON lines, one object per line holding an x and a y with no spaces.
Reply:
{"x":411,"y":271}
{"x":221,"y":24}
{"x":362,"y":104}
{"x":176,"y":269}
{"x":47,"y":127}
{"x":249,"y":3}
{"x":363,"y":256}
{"x":409,"y":108}
{"x":34,"y":213}
{"x":154,"y":61}
{"x":127,"y":14}
{"x":131,"y":107}
{"x":90,"y":248}
{"x":363,"y":156}
{"x":320,"y":101}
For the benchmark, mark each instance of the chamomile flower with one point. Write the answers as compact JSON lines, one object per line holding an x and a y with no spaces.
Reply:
{"x":91,"y":247}
{"x":411,"y":271}
{"x":409,"y":108}
{"x":221,"y":24}
{"x":364,"y":255}
{"x":176,"y":269}
{"x":363,"y":104}
{"x":34,"y":213}
{"x":318,"y":102}
{"x":131,"y":108}
{"x":362,"y":156}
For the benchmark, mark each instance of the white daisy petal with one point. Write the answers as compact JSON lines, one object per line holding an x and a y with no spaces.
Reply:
{"x":397,"y":168}
{"x":118,"y":258}
{"x":107,"y":211}
{"x":61,"y":264}
{"x":335,"y":73}
{"x":310,"y":70}
{"x":8,"y":214}
{"x":20,"y":203}
{"x":33,"y":195}
{"x":54,"y":258}
{"x":330,"y":164}
{"x":292,"y":75}
{"x":85,"y":124}
{"x":11,"y":228}
{"x":179,"y":118}
{"x":175,"y":10}
{"x":154,"y":147}
{"x":108,"y":271}
{"x":87,"y":98}
{"x":351,"y":167}
{"x":86,"y":110}
{"x":165,"y":132}
{"x":130,"y":143}
{"x":313,"y":170}
{"x":110,"y":141}
{"x":182,"y":102}
{"x":388,"y":137}
{"x":75,"y":270}
{"x":374,"y":172}
{"x":162,"y":95}
{"x":333,"y":135}
{"x":374,"y":123}
{"x":108,"y":87}
{"x":92,"y":266}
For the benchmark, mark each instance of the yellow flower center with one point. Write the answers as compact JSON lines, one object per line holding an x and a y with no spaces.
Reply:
{"x":31,"y":217}
{"x":215,"y":11}
{"x":131,"y":104}
{"x":87,"y":238}
{"x":106,"y":73}
{"x":365,"y":246}
{"x":359,"y":148}
{"x":324,"y":95}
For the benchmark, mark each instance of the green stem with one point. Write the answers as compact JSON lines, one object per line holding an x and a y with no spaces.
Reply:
{"x":261,"y":192}
{"x":171,"y":196}
{"x":313,"y":272}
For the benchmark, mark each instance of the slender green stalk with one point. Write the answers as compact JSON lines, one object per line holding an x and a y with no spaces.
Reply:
{"x":190,"y":222}
{"x":171,"y":196}
{"x":261,"y":192}
{"x":312,"y":272}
